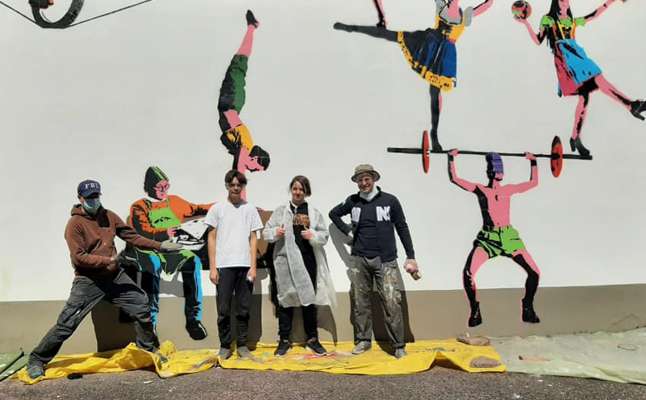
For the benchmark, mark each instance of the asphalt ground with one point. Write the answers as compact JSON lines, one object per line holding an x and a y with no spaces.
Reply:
{"x":437,"y":383}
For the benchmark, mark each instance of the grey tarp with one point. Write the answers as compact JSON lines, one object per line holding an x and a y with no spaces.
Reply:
{"x":617,"y":357}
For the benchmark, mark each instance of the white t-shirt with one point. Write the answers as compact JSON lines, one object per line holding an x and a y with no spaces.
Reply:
{"x":233,"y":225}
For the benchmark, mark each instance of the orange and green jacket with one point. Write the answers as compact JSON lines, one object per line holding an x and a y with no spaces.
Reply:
{"x":140,"y":211}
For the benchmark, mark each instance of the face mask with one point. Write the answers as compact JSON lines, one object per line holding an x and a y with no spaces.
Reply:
{"x":91,"y":206}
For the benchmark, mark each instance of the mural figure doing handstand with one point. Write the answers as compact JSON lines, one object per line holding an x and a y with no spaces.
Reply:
{"x":235,"y":135}
{"x":432,"y":52}
{"x":497,"y":237}
{"x":578,"y":75}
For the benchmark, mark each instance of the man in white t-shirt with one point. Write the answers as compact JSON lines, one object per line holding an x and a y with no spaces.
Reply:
{"x":232,"y":257}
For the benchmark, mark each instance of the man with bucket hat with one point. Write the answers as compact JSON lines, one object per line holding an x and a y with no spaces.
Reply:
{"x":90,"y":234}
{"x":374,"y":214}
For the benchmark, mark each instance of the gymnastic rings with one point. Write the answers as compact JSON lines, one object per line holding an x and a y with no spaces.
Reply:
{"x":37,"y":7}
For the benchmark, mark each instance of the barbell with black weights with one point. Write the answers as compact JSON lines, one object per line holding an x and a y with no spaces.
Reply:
{"x":556,"y":155}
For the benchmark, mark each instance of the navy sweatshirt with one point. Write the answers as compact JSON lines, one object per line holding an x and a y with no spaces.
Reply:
{"x":372,"y":225}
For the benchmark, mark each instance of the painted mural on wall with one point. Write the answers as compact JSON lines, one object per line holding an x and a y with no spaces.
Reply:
{"x":161,"y":216}
{"x":577,"y":74}
{"x":236,"y":136}
{"x":431,"y":53}
{"x":497,"y":236}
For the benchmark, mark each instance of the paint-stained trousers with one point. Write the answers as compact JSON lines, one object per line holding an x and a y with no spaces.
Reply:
{"x":87,"y":293}
{"x":363,"y":272}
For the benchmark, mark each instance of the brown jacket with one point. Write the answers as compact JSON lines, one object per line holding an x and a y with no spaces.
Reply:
{"x":91,"y":241}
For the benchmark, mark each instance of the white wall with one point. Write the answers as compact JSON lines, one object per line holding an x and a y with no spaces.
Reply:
{"x":108,"y":98}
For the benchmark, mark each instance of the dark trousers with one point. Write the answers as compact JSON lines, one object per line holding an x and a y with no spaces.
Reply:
{"x":286,"y":315}
{"x":85,"y":294}
{"x":233,"y":281}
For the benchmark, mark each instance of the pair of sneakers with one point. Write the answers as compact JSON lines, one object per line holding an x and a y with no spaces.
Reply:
{"x":365,"y":345}
{"x":312,"y":344}
{"x":243,"y":353}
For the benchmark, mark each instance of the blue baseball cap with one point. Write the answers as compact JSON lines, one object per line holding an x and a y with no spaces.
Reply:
{"x":88,"y":187}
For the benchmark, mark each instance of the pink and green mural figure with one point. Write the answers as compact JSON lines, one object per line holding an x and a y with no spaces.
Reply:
{"x":497,"y":236}
{"x":431,"y":53}
{"x":236,"y":137}
{"x":577,"y":74}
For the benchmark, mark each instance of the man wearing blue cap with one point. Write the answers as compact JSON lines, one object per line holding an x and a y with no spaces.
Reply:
{"x":497,"y":237}
{"x":90,"y":236}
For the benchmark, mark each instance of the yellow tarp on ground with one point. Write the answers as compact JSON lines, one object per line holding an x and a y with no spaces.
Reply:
{"x":128,"y":359}
{"x":421,"y":355}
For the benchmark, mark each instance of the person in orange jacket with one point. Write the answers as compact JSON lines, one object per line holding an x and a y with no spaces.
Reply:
{"x":157,"y":217}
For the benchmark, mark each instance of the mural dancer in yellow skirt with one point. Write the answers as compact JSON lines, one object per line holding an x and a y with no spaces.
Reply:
{"x":432,"y":52}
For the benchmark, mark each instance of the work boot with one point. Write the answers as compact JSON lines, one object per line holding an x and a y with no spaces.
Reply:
{"x":475,"y":318}
{"x":637,"y":107}
{"x":251,"y":19}
{"x":244,"y":353}
{"x":362,"y":347}
{"x":195,"y":329}
{"x":529,"y":315}
{"x":316,"y":346}
{"x":283,"y":347}
{"x":35,"y":369}
{"x":400,"y":352}
{"x":224,"y":353}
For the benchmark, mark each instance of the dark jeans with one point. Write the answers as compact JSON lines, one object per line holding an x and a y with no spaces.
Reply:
{"x":85,"y":294}
{"x":233,"y":281}
{"x":286,"y":315}
{"x":363,"y":272}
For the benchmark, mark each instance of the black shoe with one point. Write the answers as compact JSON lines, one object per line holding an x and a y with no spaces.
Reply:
{"x":577,"y":145}
{"x":316,"y":346}
{"x":637,"y":107}
{"x":475,"y":318}
{"x":283,"y":347}
{"x":342,"y":27}
{"x":435,"y":143}
{"x":196,"y":330}
{"x":529,"y":315}
{"x":251,"y":19}
{"x":381,"y":24}
{"x":35,"y":369}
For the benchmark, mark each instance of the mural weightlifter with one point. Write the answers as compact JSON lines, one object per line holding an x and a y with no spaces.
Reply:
{"x":235,"y":135}
{"x":497,"y":237}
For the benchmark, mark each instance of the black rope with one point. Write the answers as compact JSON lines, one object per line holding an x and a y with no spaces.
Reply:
{"x":17,"y":12}
{"x":80,"y":22}
{"x":110,"y":13}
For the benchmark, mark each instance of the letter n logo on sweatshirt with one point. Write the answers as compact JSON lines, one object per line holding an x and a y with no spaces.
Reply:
{"x":383,"y":213}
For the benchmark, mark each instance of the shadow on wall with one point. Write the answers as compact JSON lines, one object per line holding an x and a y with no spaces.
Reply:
{"x":342,"y":248}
